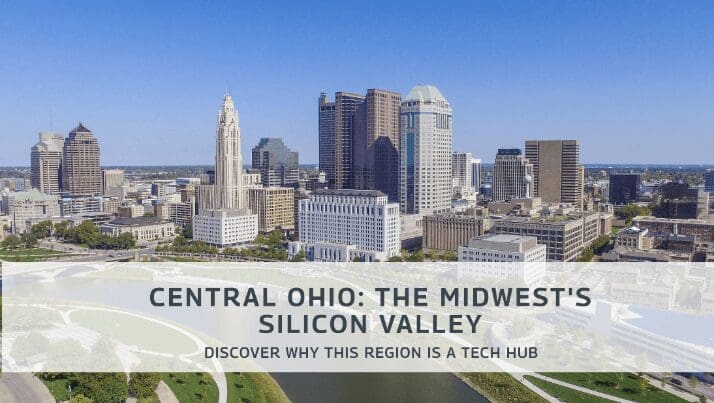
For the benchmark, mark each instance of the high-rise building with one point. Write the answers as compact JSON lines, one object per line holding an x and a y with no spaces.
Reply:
{"x":476,"y":174}
{"x":46,"y":163}
{"x":111,"y":178}
{"x":709,"y":181}
{"x":278,"y":165}
{"x":346,"y":106}
{"x":375,"y":143}
{"x":223,"y":218}
{"x":341,"y":225}
{"x":425,"y":151}
{"x":326,"y":128}
{"x":624,"y":188}
{"x":512,"y":175}
{"x":81,"y":174}
{"x":462,"y":174}
{"x":274,"y":207}
{"x":557,"y":173}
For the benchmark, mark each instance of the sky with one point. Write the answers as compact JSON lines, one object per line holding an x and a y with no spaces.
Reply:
{"x":633,"y":81}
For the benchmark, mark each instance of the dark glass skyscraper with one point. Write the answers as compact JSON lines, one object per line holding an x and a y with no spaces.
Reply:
{"x":624,"y":188}
{"x":278,"y":165}
{"x":326,"y":128}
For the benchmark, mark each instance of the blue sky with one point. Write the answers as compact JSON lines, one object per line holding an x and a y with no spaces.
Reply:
{"x":634,"y":81}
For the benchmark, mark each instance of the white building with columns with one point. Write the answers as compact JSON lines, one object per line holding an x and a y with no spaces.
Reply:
{"x":344,"y":225}
{"x":426,"y":132}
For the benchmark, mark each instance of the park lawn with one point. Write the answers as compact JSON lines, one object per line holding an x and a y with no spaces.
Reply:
{"x":28,"y":255}
{"x":253,"y":387}
{"x":152,"y":399}
{"x":191,"y":386}
{"x":608,"y":382}
{"x":501,"y":387}
{"x":565,"y":394}
{"x":58,"y":388}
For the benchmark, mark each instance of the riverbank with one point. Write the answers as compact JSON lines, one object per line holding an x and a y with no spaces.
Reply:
{"x":499,"y":387}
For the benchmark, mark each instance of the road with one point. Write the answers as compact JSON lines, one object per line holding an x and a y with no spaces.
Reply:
{"x":78,"y":253}
{"x":23,"y":388}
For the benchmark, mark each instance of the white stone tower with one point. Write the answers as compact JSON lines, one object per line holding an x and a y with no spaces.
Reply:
{"x":229,"y":163}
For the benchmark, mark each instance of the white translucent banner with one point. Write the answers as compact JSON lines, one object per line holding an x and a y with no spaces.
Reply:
{"x":357,"y":317}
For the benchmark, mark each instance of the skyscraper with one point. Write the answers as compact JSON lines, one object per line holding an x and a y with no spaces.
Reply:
{"x":81,"y":174}
{"x":375,"y":143}
{"x":278,"y":165}
{"x":346,"y":106}
{"x":557,"y":173}
{"x":326,"y":128}
{"x":476,"y":174}
{"x":512,"y":175}
{"x":462,"y":174}
{"x":425,"y":151}
{"x":226,"y":191}
{"x":223,"y":218}
{"x":46,"y":163}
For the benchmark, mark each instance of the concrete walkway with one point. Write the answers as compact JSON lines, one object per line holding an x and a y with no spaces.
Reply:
{"x":581,"y":389}
{"x":165,"y":394}
{"x":23,"y":388}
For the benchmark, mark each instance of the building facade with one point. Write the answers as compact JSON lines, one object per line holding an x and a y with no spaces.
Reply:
{"x":425,"y":152}
{"x":375,"y":145}
{"x":362,"y":218}
{"x":223,"y":219}
{"x":81,"y":174}
{"x":709,"y":181}
{"x":326,"y":129}
{"x":22,"y":206}
{"x":503,"y":248}
{"x":702,"y":230}
{"x":274,"y":207}
{"x":144,"y":229}
{"x":564,"y":237}
{"x":624,"y":188}
{"x":462,"y":174}
{"x":446,"y":232}
{"x":512,"y":176}
{"x":557,"y":173}
{"x":46,"y":163}
{"x":476,"y":174}
{"x":277,"y":164}
{"x":225,"y":227}
{"x":111,"y":178}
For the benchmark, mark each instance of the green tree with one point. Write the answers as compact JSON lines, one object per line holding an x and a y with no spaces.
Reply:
{"x":142,"y":384}
{"x":104,"y":387}
{"x":42,"y":229}
{"x":11,"y":241}
{"x":301,"y":256}
{"x":29,"y":240}
{"x":80,"y":398}
{"x":60,"y":229}
{"x":187,"y":231}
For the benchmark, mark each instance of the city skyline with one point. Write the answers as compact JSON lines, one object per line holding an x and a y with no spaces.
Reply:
{"x":604,"y":74}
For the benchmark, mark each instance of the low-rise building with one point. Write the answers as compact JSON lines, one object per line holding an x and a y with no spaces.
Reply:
{"x":446,"y":232}
{"x":144,"y":229}
{"x":634,"y":238}
{"x":225,"y":227}
{"x":703,"y":230}
{"x":22,"y":206}
{"x":564,"y":236}
{"x":503,"y":248}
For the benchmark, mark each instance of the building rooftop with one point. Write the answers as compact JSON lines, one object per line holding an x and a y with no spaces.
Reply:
{"x":80,"y":129}
{"x":134,"y":221}
{"x":348,"y":192}
{"x":424,"y":93}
